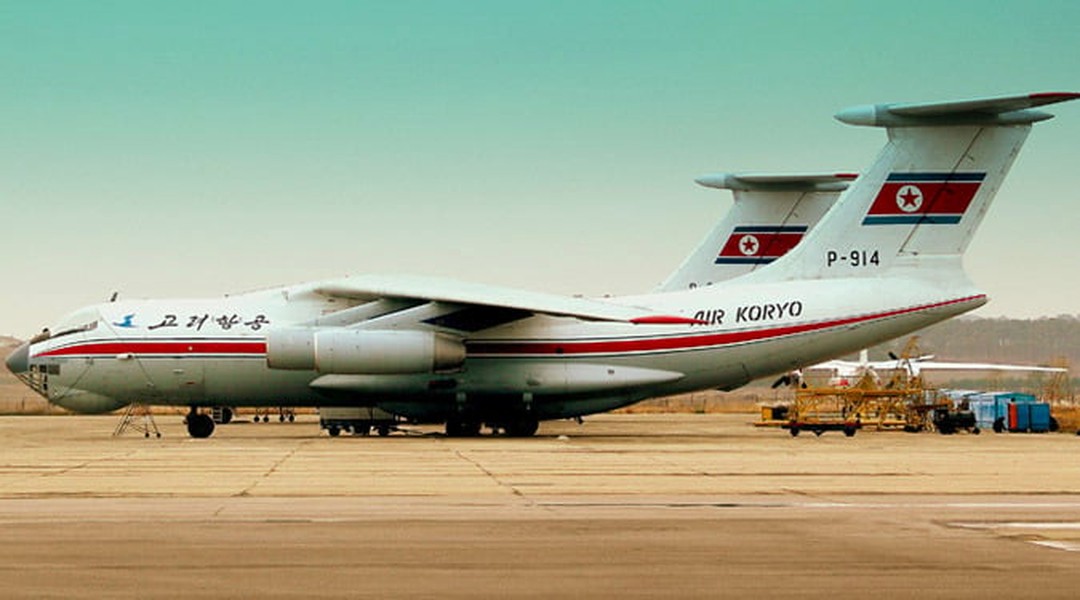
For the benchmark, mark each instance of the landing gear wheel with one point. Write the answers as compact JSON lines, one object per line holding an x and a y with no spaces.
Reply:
{"x":850,"y":431}
{"x":226,"y":415}
{"x":384,"y":430}
{"x":794,"y":431}
{"x":333,"y":430}
{"x":200,"y":425}
{"x":999,"y":425}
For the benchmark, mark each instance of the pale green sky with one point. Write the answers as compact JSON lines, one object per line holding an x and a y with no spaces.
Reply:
{"x":200,"y":148}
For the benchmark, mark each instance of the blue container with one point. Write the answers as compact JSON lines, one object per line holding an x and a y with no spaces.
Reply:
{"x":1019,"y":416}
{"x":991,"y":406}
{"x":1039,"y":417}
{"x":1006,"y":397}
{"x":986,"y":412}
{"x":1018,"y":398}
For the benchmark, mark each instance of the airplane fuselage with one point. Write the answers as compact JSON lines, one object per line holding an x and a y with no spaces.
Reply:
{"x":214,"y":351}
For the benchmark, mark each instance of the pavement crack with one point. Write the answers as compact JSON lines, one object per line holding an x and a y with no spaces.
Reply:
{"x":122,"y":456}
{"x":273,"y":469}
{"x":513,"y":489}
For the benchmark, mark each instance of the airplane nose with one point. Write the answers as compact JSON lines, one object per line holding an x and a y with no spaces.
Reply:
{"x":18,"y":362}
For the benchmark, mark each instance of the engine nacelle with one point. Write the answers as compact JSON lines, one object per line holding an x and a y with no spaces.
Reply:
{"x":362,"y":352}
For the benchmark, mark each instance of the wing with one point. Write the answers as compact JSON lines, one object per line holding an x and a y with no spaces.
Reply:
{"x":925,"y":365}
{"x":468,"y":307}
{"x":839,"y":367}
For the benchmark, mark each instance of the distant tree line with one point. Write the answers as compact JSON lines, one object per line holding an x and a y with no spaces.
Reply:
{"x":1042,"y":341}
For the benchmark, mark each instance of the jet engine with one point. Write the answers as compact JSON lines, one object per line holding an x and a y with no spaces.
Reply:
{"x":362,"y":352}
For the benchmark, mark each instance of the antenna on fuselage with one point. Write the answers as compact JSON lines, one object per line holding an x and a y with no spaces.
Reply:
{"x":114,"y":296}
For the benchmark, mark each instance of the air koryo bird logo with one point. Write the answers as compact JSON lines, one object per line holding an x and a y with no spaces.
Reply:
{"x":914,"y":198}
{"x":759,"y":244}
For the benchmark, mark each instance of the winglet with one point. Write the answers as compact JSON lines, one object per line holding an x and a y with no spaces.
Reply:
{"x":1000,"y":110}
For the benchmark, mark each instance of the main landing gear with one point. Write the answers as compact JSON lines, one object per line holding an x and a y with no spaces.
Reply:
{"x":198,"y":424}
{"x":460,"y":428}
{"x":523,"y":427}
{"x":514,"y":421}
{"x":520,"y":427}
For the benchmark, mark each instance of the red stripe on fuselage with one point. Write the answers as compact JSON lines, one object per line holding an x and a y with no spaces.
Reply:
{"x":677,"y":343}
{"x":496,"y":348}
{"x":166,"y":348}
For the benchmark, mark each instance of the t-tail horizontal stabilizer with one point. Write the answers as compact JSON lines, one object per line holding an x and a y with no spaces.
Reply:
{"x":772,"y":213}
{"x":1003,"y":110}
{"x":914,"y":211}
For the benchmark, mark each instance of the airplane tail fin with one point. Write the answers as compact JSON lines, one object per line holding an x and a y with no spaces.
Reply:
{"x":772,"y":213}
{"x":919,"y":204}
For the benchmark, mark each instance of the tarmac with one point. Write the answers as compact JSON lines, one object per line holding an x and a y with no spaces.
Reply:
{"x":623,"y":505}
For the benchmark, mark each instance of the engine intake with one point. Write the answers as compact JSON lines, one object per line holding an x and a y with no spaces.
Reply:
{"x":362,"y":352}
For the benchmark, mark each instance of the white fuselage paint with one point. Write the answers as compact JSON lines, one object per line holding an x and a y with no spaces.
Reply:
{"x":213,"y":351}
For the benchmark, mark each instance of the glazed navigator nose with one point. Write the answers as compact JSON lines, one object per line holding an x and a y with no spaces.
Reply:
{"x":18,"y":362}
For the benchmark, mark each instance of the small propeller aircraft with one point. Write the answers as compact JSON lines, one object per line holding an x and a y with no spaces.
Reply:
{"x":883,"y":261}
{"x":845,"y":372}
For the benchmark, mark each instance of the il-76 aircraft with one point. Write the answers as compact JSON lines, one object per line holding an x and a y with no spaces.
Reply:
{"x":883,"y":261}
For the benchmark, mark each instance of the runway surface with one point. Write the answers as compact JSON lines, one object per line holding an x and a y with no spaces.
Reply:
{"x":624,"y":505}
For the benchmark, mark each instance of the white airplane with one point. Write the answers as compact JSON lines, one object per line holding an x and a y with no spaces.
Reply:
{"x":883,"y":262}
{"x":771,"y":215}
{"x":846,"y":372}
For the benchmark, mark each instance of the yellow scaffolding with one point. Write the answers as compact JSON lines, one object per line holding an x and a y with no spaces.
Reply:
{"x":901,"y":402}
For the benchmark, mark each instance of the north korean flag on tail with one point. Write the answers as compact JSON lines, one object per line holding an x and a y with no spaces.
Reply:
{"x":914,"y":198}
{"x":759,"y":244}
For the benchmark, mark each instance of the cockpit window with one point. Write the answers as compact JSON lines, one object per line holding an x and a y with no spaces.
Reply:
{"x":84,"y":319}
{"x":86,"y":327}
{"x":41,"y":337}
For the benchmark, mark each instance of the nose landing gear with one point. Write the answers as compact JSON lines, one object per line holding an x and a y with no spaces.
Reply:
{"x":198,"y":424}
